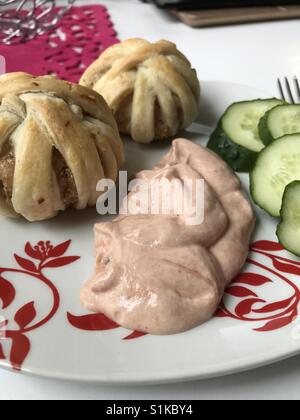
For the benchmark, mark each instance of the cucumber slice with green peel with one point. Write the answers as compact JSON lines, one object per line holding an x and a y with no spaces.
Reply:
{"x":278,"y":122}
{"x":276,"y":167}
{"x":288,"y":231}
{"x":240,"y":122}
{"x":236,"y":138}
{"x":237,"y":157}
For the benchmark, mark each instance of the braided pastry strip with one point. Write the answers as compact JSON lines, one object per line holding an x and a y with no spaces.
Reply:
{"x":151,"y":88}
{"x":41,"y":115}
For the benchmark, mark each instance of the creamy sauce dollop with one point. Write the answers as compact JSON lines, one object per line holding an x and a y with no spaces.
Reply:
{"x":156,"y":273}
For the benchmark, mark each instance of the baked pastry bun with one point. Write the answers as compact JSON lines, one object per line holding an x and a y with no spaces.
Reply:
{"x":151,"y":88}
{"x":57,"y":140}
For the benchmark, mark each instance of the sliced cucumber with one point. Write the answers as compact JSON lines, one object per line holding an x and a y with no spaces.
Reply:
{"x":278,"y":122}
{"x":238,"y":158}
{"x":288,"y":231}
{"x":276,"y":167}
{"x":236,"y":138}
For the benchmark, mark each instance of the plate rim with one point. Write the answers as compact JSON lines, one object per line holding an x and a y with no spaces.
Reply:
{"x":228,"y":370}
{"x":217,"y":370}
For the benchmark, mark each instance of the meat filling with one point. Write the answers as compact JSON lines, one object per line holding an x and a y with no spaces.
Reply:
{"x":7,"y":168}
{"x":124,"y":114}
{"x":63,"y":173}
{"x":65,"y":179}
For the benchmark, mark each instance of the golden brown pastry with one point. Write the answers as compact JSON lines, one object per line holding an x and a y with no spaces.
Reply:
{"x":151,"y":88}
{"x":57,"y":140}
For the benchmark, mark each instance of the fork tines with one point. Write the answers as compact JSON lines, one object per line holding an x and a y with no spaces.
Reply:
{"x":288,"y":92}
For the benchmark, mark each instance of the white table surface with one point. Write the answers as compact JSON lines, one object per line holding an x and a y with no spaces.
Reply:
{"x":250,"y":54}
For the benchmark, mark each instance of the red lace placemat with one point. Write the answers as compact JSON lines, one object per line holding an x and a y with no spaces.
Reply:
{"x":80,"y":37}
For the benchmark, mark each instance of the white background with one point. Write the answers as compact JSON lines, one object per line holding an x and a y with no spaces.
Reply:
{"x":250,"y":54}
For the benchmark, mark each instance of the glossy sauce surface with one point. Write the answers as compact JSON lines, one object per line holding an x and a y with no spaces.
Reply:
{"x":161,"y":275}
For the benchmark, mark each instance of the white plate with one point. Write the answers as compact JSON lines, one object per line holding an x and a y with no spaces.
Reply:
{"x":46,"y":342}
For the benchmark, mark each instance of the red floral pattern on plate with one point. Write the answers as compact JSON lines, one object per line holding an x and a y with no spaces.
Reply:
{"x":249,"y":306}
{"x":245,"y":288}
{"x":98,"y":322}
{"x":43,"y":255}
{"x":243,"y":300}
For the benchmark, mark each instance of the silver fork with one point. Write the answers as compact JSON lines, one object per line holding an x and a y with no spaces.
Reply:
{"x":287,"y":92}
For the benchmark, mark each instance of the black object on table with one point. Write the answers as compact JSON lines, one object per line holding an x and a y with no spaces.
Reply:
{"x":210,"y":4}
